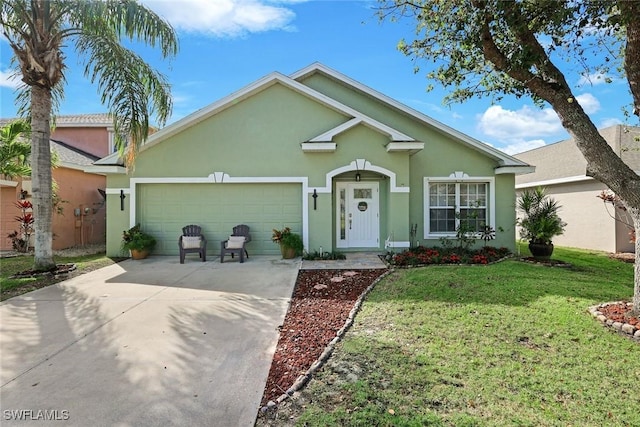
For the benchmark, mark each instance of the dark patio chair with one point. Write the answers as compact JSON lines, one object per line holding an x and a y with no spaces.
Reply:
{"x":236,"y":243}
{"x":192,"y":241}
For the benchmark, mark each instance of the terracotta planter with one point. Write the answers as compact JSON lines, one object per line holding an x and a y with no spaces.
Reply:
{"x":287,"y":252}
{"x":541,"y":250}
{"x":139,"y":254}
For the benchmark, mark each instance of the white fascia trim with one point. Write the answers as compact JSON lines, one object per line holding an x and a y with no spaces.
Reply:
{"x":224,"y":178}
{"x":73,"y":166}
{"x":517,"y":170}
{"x":360,"y":165}
{"x":458,"y":177}
{"x":392,"y":133}
{"x":318,"y":147}
{"x":506,"y":159}
{"x":566,"y":180}
{"x":410,"y":147}
{"x":97,"y":169}
{"x":7,"y":183}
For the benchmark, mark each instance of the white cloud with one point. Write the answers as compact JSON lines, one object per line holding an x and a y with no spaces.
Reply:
{"x":9,"y":80}
{"x":509,"y":126}
{"x":521,"y":146}
{"x":225,"y":18}
{"x":589,"y":103}
{"x":593,"y":79}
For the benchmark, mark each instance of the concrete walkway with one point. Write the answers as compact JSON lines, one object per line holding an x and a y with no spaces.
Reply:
{"x":145,"y":343}
{"x":354,"y":261}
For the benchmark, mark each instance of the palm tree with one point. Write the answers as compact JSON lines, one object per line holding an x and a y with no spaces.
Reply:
{"x":14,"y":152}
{"x":37,"y":30}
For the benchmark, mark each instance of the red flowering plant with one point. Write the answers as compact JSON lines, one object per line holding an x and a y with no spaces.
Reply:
{"x":452,"y":255}
{"x":20,"y":238}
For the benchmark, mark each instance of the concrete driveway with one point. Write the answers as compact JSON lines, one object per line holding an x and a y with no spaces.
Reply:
{"x":145,"y":343}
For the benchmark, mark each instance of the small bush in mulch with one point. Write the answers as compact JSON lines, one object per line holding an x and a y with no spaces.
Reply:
{"x":442,"y":255}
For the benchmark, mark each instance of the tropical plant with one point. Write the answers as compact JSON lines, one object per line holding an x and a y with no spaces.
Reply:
{"x":287,"y":239}
{"x":14,"y":151}
{"x":37,"y":31}
{"x":541,"y":221}
{"x":492,"y":48}
{"x":20,"y":239}
{"x":137,"y":240}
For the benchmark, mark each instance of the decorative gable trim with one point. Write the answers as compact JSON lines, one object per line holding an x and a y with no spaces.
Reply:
{"x":405,"y":147}
{"x":318,"y":147}
{"x":503,"y":158}
{"x":393,"y":134}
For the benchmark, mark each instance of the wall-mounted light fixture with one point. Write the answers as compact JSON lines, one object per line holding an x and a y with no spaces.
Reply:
{"x":358,"y":177}
{"x":122,"y":197}
{"x":315,"y":199}
{"x":23,"y":194}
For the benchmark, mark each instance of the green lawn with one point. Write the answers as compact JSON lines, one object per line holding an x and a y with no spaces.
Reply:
{"x":10,"y":266}
{"x":509,"y":344}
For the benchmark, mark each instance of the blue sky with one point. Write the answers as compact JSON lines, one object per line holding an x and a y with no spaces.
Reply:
{"x":227,"y":44}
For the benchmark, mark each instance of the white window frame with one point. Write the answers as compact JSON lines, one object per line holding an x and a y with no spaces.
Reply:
{"x":458,"y":178}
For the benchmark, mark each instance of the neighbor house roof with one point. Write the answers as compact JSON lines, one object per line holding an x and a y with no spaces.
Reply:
{"x":562,"y":162}
{"x":508,"y":164}
{"x":72,"y":157}
{"x":76,"y":120}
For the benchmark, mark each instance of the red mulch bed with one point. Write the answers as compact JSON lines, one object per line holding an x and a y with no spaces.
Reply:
{"x":620,"y":312}
{"x":321,"y":302}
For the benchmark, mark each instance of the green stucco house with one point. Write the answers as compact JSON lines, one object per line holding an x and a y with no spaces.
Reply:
{"x":343,"y":165}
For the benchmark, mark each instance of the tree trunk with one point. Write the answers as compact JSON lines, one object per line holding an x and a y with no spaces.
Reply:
{"x":41,"y":177}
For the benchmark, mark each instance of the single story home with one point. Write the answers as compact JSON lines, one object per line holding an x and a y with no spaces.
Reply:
{"x":341,"y":164}
{"x":561,"y":170}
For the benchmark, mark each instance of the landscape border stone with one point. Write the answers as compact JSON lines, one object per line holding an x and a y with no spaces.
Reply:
{"x":625,"y":328}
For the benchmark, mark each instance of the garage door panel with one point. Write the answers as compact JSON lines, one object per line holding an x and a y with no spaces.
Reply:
{"x":163,"y":209}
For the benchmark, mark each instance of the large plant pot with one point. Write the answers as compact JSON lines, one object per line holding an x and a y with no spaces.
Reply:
{"x":287,"y":252}
{"x":139,"y":254}
{"x":541,"y":250}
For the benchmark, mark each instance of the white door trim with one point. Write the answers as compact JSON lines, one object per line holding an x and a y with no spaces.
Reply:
{"x":350,"y":222}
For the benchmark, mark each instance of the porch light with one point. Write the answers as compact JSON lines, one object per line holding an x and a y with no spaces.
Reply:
{"x":358,"y":177}
{"x":23,"y":194}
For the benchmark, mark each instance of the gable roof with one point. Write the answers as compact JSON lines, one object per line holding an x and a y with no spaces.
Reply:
{"x":503,"y":158}
{"x":563,"y":162}
{"x":507,"y":163}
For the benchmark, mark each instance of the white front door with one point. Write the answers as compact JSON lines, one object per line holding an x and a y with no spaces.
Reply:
{"x":358,"y":220}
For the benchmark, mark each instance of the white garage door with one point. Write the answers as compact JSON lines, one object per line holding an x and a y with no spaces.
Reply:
{"x":163,"y":209}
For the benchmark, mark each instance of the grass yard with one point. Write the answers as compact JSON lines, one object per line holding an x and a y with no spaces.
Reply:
{"x":509,"y":344}
{"x":10,"y":266}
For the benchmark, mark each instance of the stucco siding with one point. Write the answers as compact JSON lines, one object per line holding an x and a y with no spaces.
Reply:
{"x":79,"y":190}
{"x":94,"y":140}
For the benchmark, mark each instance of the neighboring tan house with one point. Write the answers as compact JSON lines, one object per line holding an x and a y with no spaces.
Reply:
{"x":343,"y":165}
{"x":79,"y":140}
{"x":561,"y":170}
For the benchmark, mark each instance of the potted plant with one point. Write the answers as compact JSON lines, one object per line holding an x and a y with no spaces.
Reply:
{"x":137,"y":242}
{"x":540,"y":223}
{"x":290,"y":243}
